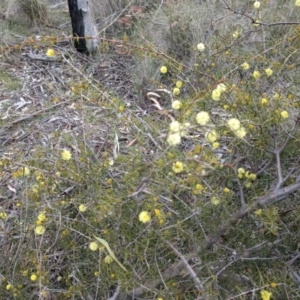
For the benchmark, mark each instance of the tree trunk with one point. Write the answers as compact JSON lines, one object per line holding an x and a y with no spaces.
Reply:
{"x":83,"y":26}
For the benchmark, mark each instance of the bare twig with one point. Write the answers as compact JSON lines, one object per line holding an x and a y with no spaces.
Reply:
{"x":192,"y":273}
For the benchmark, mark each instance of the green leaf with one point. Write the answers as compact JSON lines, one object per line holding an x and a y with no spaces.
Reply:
{"x":105,"y":244}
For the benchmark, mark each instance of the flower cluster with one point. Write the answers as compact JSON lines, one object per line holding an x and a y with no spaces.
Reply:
{"x":176,"y":131}
{"x":217,"y":92}
{"x":235,"y":126}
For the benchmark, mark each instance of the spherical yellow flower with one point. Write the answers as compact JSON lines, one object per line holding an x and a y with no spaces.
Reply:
{"x":215,"y":201}
{"x":174,"y":139}
{"x":179,"y":84}
{"x":258,"y":212}
{"x":235,"y":34}
{"x":94,"y":246}
{"x":256,"y":74}
{"x":234,"y":124}
{"x":177,"y":167}
{"x":241,"y":132}
{"x":241,"y":172}
{"x":245,"y":66}
{"x":33,"y":277}
{"x":216,"y":145}
{"x":297,"y":3}
{"x":264,"y":101}
{"x":211,"y":136}
{"x":108,"y":259}
{"x":216,"y":94}
{"x":42,"y":217}
{"x":174,"y":126}
{"x":163,"y":70}
{"x":40,"y":230}
{"x":8,"y":286}
{"x":50,"y":52}
{"x":176,"y":91}
{"x":256,"y":4}
{"x":284,"y":114}
{"x":202,"y":118}
{"x":265,"y":295}
{"x":3,"y":215}
{"x":82,"y":208}
{"x":269,"y":72}
{"x":227,"y":190}
{"x":201,"y":47}
{"x":176,"y":104}
{"x":273,"y":284}
{"x":66,"y":154}
{"x":144,"y":217}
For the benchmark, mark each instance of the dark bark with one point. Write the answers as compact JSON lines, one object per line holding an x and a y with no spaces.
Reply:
{"x":77,"y":27}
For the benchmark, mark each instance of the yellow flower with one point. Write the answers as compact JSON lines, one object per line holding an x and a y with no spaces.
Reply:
{"x":33,"y":277}
{"x":265,"y":295}
{"x":93,"y":246}
{"x":269,"y":72}
{"x":3,"y":215}
{"x":256,"y":4}
{"x":178,"y":84}
{"x":177,"y":167}
{"x":241,"y":132}
{"x":50,"y":52}
{"x":200,"y":47}
{"x":284,"y":114}
{"x":163,"y":70}
{"x":235,"y":34}
{"x":202,"y":118}
{"x":264,"y":101}
{"x":42,"y":217}
{"x":8,"y":286}
{"x":256,"y":74}
{"x":40,"y":230}
{"x":234,"y":124}
{"x":108,"y":259}
{"x":66,"y":154}
{"x":297,"y":3}
{"x":157,"y":212}
{"x":174,"y":126}
{"x":211,"y":136}
{"x":273,"y":284}
{"x":176,"y":91}
{"x":144,"y":217}
{"x":174,"y":139}
{"x":215,"y":201}
{"x":216,"y":145}
{"x":176,"y":104}
{"x":258,"y":212}
{"x":245,"y":66}
{"x":216,"y":94}
{"x":241,"y":172}
{"x":227,"y":190}
{"x":82,"y":208}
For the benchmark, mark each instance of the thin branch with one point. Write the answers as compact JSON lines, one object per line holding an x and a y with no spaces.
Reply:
{"x":193,"y":275}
